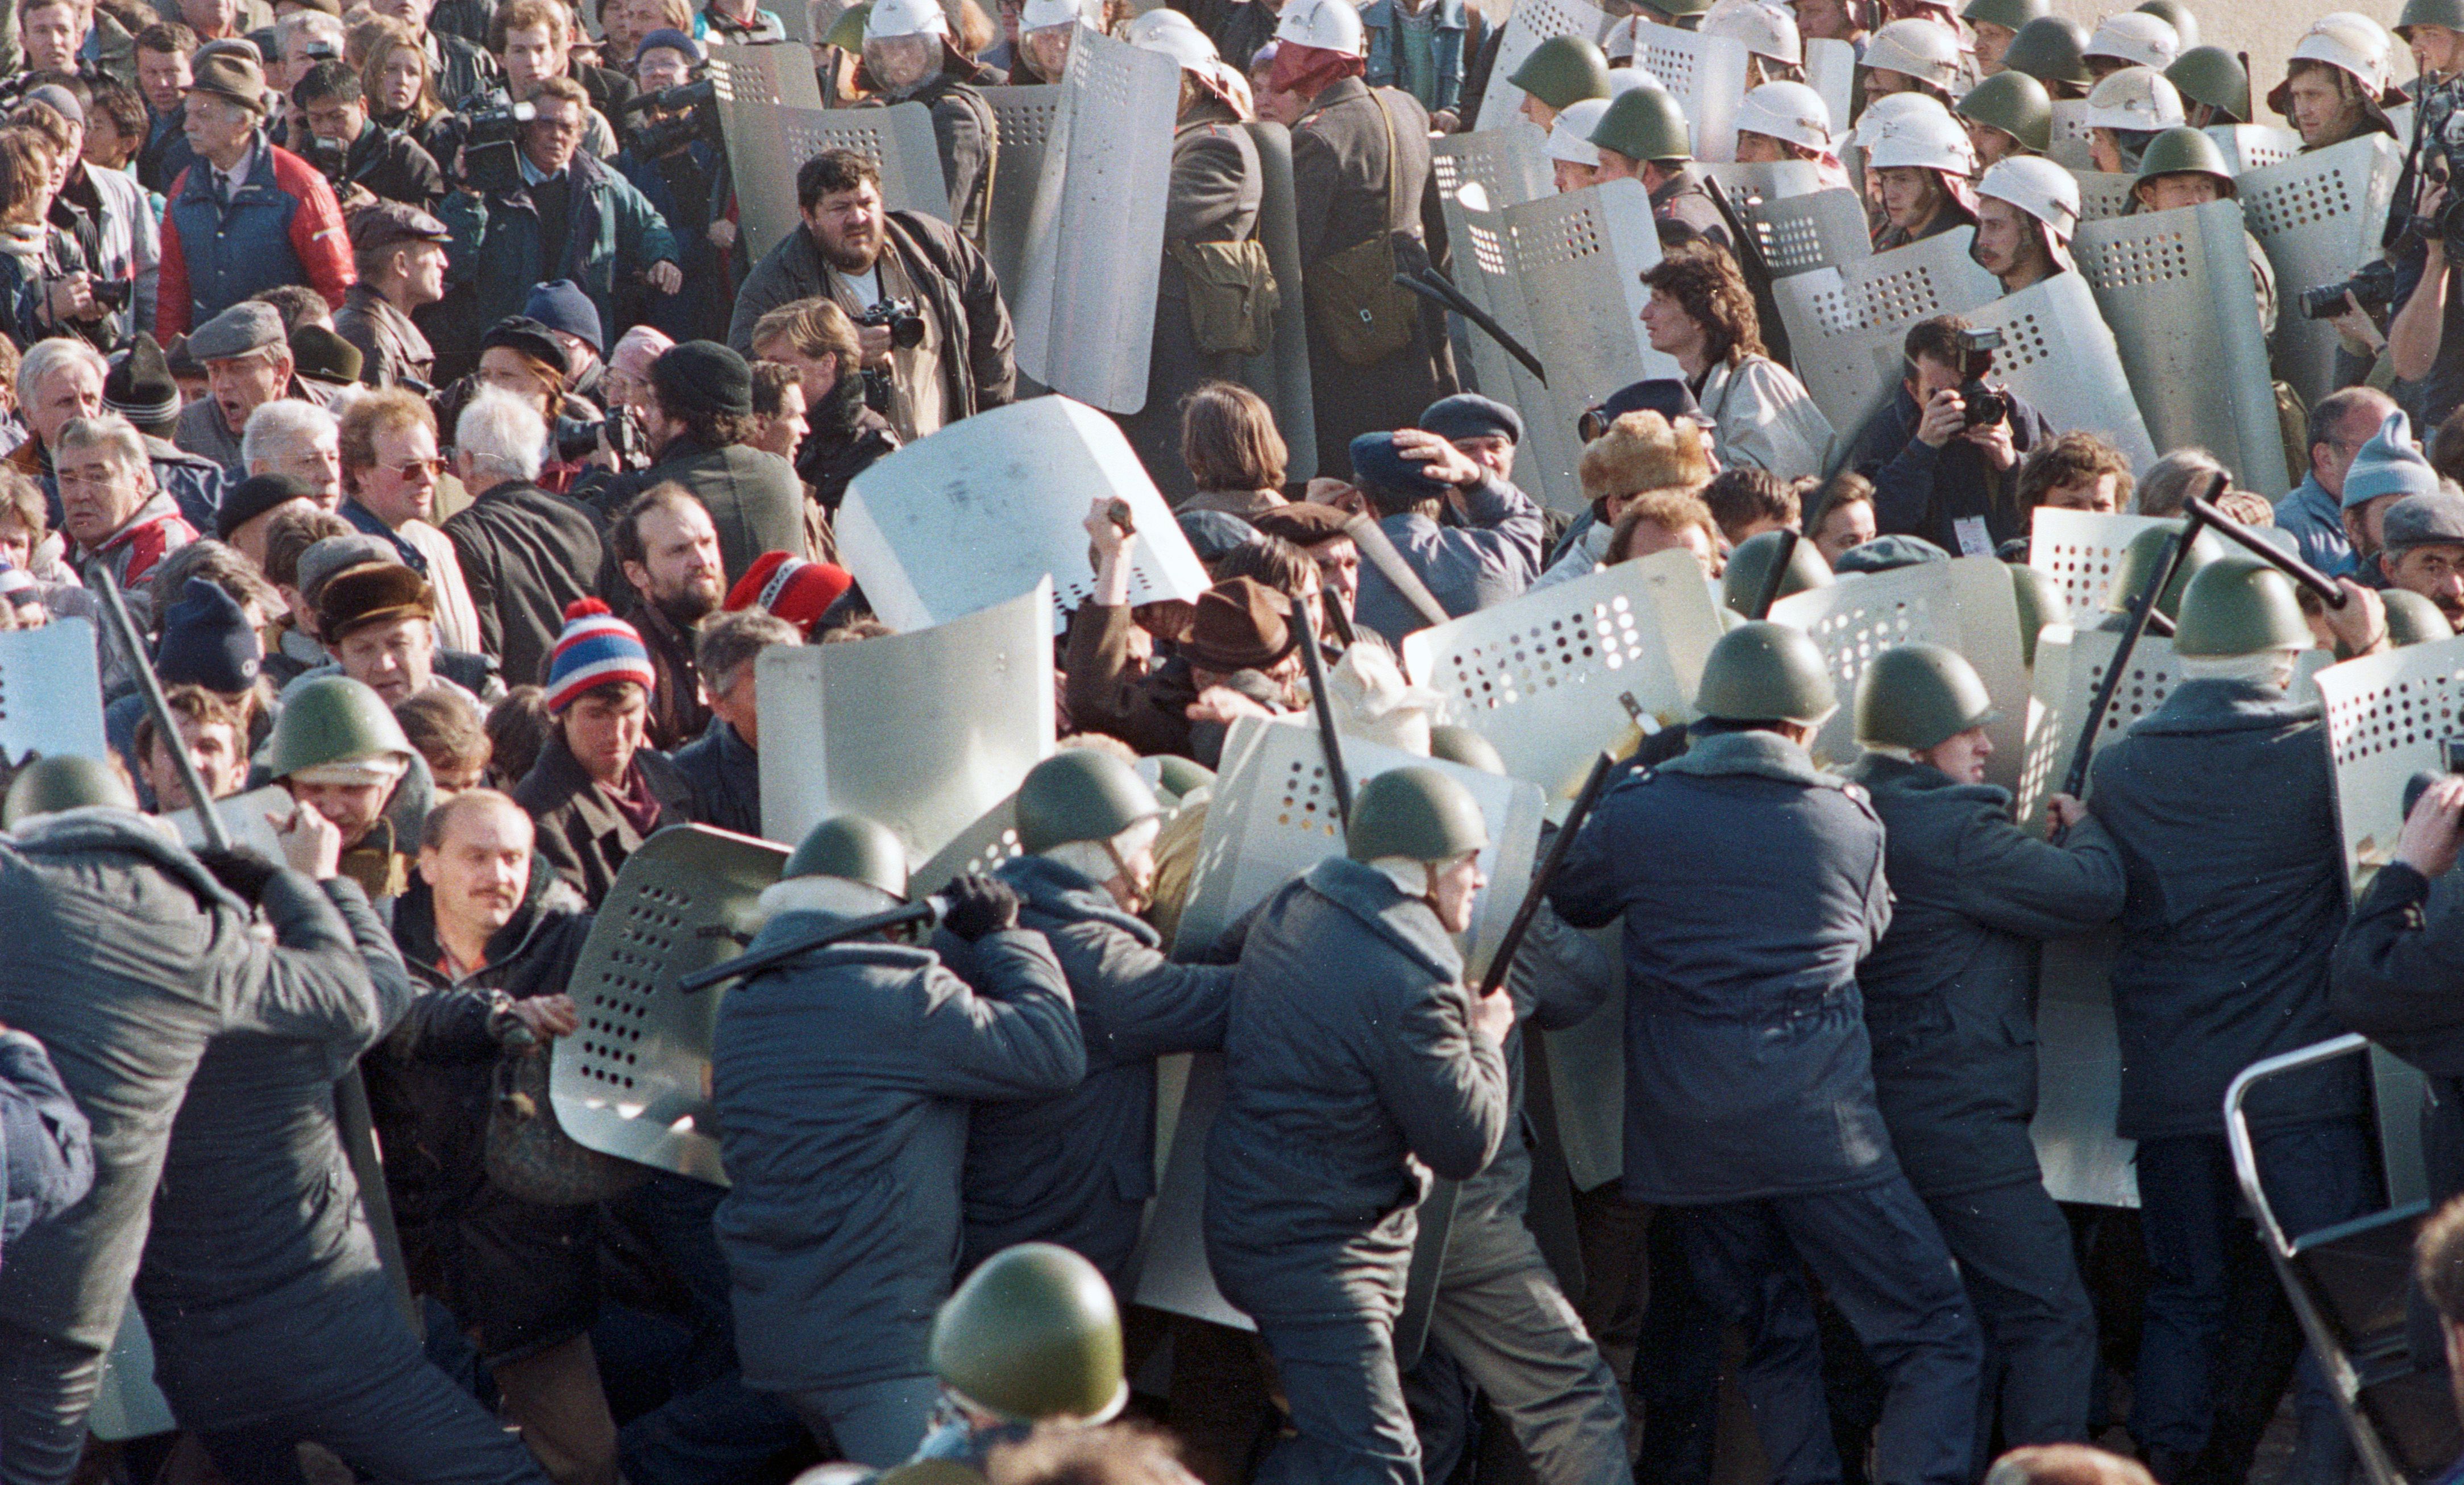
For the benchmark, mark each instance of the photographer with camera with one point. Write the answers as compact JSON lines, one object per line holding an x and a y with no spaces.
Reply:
{"x":332,"y":132}
{"x":675,"y":156}
{"x":2426,"y":338}
{"x":699,"y":426}
{"x":1945,"y":456}
{"x":45,"y":288}
{"x":929,"y":314}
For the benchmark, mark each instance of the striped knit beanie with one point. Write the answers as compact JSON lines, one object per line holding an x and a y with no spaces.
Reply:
{"x":595,"y":649}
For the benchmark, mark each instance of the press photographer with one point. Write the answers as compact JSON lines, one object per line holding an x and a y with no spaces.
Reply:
{"x":699,"y":422}
{"x":675,"y":156}
{"x":1945,"y":456}
{"x":331,"y":130}
{"x":933,"y":327}
{"x":2426,"y":338}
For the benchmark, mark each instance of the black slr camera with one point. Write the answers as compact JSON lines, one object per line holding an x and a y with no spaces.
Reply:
{"x":2372,"y":287}
{"x":1985,"y":404}
{"x":662,"y":122}
{"x":576,"y":440}
{"x":490,"y":141}
{"x":906,"y":326}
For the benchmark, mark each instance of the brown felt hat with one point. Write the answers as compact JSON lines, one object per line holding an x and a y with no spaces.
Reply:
{"x":1242,"y":625}
{"x":1303,"y":523}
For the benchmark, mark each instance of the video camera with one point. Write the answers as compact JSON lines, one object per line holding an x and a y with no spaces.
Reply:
{"x":1985,"y":404}
{"x":2372,"y":287}
{"x":490,"y":142}
{"x":662,"y":122}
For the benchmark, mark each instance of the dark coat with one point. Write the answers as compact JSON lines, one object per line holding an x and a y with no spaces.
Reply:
{"x":581,"y":833}
{"x":1948,"y":991}
{"x":2224,"y":805}
{"x":754,"y":497}
{"x":2398,"y":972}
{"x":725,"y":777}
{"x":1486,"y":554}
{"x":1751,"y":884}
{"x":390,"y":163}
{"x":1923,"y":491}
{"x":677,"y":715}
{"x":1218,"y":189}
{"x":1237,"y":28}
{"x":1149,"y":711}
{"x":1342,"y":1095}
{"x":261,"y":1285}
{"x":842,"y":1084}
{"x":499,"y":254}
{"x":525,"y":555}
{"x":1077,"y":1168}
{"x":1685,"y":212}
{"x":690,"y":189}
{"x":843,"y":438}
{"x":46,"y":1148}
{"x":389,"y":345}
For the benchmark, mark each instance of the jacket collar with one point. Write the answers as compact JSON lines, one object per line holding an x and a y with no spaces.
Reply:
{"x":1342,"y":90}
{"x":157,"y":507}
{"x":544,"y":897}
{"x":1056,"y":891}
{"x":77,"y":832}
{"x":1764,"y":755}
{"x":1882,"y":775}
{"x":259,"y":180}
{"x":2206,"y":706}
{"x":1408,"y":923}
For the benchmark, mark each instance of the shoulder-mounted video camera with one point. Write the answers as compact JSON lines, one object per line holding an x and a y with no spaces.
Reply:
{"x":490,"y":142}
{"x":663,"y":122}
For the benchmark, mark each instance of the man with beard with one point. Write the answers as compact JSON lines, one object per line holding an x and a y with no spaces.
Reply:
{"x":700,"y":424}
{"x":668,"y":549}
{"x":2425,"y":551}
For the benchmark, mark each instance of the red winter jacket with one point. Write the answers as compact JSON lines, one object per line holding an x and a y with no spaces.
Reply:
{"x":283,"y":225}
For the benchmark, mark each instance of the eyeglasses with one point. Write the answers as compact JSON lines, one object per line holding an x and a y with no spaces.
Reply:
{"x":410,"y":467}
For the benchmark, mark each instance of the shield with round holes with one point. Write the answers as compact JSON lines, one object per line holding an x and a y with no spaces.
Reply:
{"x":2254,"y":146}
{"x":2318,"y":217}
{"x":767,"y":143}
{"x":1532,"y":22}
{"x":1706,"y":74}
{"x":775,"y":75}
{"x":1801,"y":232}
{"x":1023,"y":118}
{"x":1478,"y":177}
{"x":2104,"y":193}
{"x":1845,"y":322}
{"x":2080,"y":550}
{"x":2059,"y":356}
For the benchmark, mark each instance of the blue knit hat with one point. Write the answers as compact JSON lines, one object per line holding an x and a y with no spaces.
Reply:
{"x":668,"y":37}
{"x":1378,"y":467}
{"x":595,"y":649}
{"x":1471,"y":415}
{"x":207,"y":641}
{"x":2389,"y":464}
{"x":562,"y":305}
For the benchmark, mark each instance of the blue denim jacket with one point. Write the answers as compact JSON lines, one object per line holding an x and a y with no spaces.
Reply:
{"x":1460,"y":29}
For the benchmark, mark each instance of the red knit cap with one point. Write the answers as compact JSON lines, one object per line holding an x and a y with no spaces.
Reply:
{"x":792,"y":588}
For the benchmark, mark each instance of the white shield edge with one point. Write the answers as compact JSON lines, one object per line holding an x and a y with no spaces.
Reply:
{"x":1023,"y":117}
{"x":244,"y":821}
{"x":2318,"y":217}
{"x":2059,"y":356}
{"x":1803,"y":233}
{"x":1831,"y":70}
{"x":1532,"y":22}
{"x":2387,"y":716}
{"x":2079,"y":1077}
{"x":51,"y":692}
{"x":1586,"y":1073}
{"x":127,"y":1404}
{"x":1748,"y":185}
{"x":2079,"y":550}
{"x":1506,"y":167}
{"x":1845,"y":322}
{"x":2070,"y":120}
{"x":2254,"y":146}
{"x":1487,"y":270}
{"x":1707,"y":74}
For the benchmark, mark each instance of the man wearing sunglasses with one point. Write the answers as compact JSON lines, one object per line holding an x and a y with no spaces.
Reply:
{"x":390,"y":472}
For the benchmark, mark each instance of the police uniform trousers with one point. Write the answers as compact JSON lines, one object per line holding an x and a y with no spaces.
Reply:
{"x":1346,"y":1403}
{"x":2013,"y":1249}
{"x":400,"y":1420}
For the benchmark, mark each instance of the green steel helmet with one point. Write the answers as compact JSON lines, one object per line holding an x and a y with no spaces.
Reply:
{"x":2016,"y":104}
{"x":48,"y":785}
{"x":1417,"y":812}
{"x":2448,"y":13}
{"x":847,"y":33}
{"x":1462,"y":745}
{"x":1644,"y":124}
{"x":1678,"y":9}
{"x":2212,"y":76}
{"x":1919,"y":696}
{"x":1035,"y":1336}
{"x":2185,"y":151}
{"x":2176,"y":15}
{"x":853,"y":848}
{"x":2239,"y":605}
{"x":2040,"y":603}
{"x":1766,"y":672}
{"x":331,"y":720}
{"x":2138,"y":564}
{"x":1750,"y":566}
{"x":2010,"y":13}
{"x":2411,"y":618}
{"x":2048,"y":50}
{"x":1080,"y":795}
{"x":1563,"y":71}
{"x":1181,"y":777}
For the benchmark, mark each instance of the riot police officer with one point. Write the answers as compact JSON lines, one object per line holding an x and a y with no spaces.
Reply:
{"x":1947,"y":1004}
{"x":1355,"y":1064}
{"x":1751,"y":885}
{"x":1032,"y":1337}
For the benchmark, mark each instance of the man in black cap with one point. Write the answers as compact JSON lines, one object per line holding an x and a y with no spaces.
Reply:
{"x":567,"y":314}
{"x":699,"y":423}
{"x":1488,"y":552}
{"x":399,"y":251}
{"x":1319,"y":531}
{"x":249,"y":508}
{"x":141,"y":389}
{"x":1482,"y":429}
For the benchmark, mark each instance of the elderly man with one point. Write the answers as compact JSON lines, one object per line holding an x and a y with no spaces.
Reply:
{"x":2425,"y":551}
{"x":2313,"y":513}
{"x":110,"y":507}
{"x":59,"y":378}
{"x":525,"y":555}
{"x":1489,"y":552}
{"x":399,"y":251}
{"x":723,"y":765}
{"x":289,"y":436}
{"x":390,"y":472}
{"x":247,"y":363}
{"x":667,"y":551}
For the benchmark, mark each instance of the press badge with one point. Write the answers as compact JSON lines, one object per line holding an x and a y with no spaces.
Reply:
{"x":1973,"y":542}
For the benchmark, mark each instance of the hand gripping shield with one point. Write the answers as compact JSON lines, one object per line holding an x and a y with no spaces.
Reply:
{"x":922,"y":731}
{"x":51,"y":694}
{"x":1500,"y":107}
{"x":768,"y":142}
{"x":2058,"y":355}
{"x":988,"y":507}
{"x":1799,"y":233}
{"x":2318,"y":217}
{"x":1556,"y":676}
{"x":2080,"y":550}
{"x":1023,"y":118}
{"x":1964,"y":605}
{"x":1707,"y":76}
{"x":2175,"y":288}
{"x":1093,"y":250}
{"x":634,"y":1081}
{"x":1282,"y":375}
{"x":1845,"y":322}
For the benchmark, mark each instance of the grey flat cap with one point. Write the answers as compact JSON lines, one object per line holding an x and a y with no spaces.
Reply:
{"x":245,"y":327}
{"x":2426,"y":520}
{"x":331,"y":555}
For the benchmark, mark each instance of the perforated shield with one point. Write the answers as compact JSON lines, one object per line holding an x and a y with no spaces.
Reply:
{"x":1831,"y":70}
{"x":1963,"y":605}
{"x":992,"y":841}
{"x":1556,"y":676}
{"x":1821,"y":229}
{"x":2078,"y":549}
{"x":775,"y":74}
{"x":2070,"y":126}
{"x":2254,"y":146}
{"x":989,"y":506}
{"x":2319,"y":215}
{"x":51,"y":694}
{"x":1532,"y":22}
{"x":1746,"y":185}
{"x":1282,"y":375}
{"x":1084,"y":305}
{"x":2102,"y":194}
{"x":923,"y":731}
{"x":244,"y":820}
{"x":1480,"y":176}
{"x":1846,"y":321}
{"x":2058,"y":355}
{"x":1508,"y":168}
{"x":1706,"y":75}
{"x":634,"y":1080}
{"x":2175,"y":288}
{"x":1023,"y":118}
{"x":768,"y":142}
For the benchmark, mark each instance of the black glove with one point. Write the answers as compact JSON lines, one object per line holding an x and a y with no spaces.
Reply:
{"x":980,"y":905}
{"x":243,"y":870}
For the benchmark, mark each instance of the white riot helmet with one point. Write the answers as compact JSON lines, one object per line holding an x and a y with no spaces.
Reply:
{"x":1331,"y":25}
{"x":2352,"y":41}
{"x":2136,"y":39}
{"x":1884,"y":112}
{"x":891,"y":18}
{"x":1791,"y":112}
{"x":1570,"y":137}
{"x":2039,"y":187}
{"x":2135,"y":98}
{"x":1187,"y":46}
{"x":1045,"y":14}
{"x":1764,"y":30}
{"x":1924,"y":139}
{"x":1163,"y":17}
{"x":1922,"y":49}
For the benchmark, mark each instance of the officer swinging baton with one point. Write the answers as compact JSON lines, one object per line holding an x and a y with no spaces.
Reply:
{"x":1429,"y":285}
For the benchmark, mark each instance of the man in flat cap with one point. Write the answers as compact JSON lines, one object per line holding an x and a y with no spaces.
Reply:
{"x":247,"y":363}
{"x":398,"y":253}
{"x":2424,"y":551}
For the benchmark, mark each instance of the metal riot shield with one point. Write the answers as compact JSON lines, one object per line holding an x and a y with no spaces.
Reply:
{"x":776,"y":72}
{"x":1478,"y":176}
{"x":1965,"y":604}
{"x":51,"y":692}
{"x":2058,"y":355}
{"x":1556,"y":676}
{"x":1282,"y":375}
{"x":768,"y":142}
{"x":1707,"y":76}
{"x":2079,"y":1076}
{"x":244,"y":820}
{"x":2070,"y":143}
{"x":2077,"y":549}
{"x":921,"y":731}
{"x":1747,"y":185}
{"x":1845,"y":322}
{"x":1023,"y":118}
{"x":2318,"y":217}
{"x":2254,"y":146}
{"x":1799,"y":233}
{"x":1508,"y":168}
{"x":1532,"y":22}
{"x":2175,"y":288}
{"x":634,"y":1081}
{"x":1831,"y":70}
{"x":1085,"y":298}
{"x":2103,"y":194}
{"x":989,"y":506}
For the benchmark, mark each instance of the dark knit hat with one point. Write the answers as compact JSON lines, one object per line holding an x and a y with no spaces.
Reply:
{"x":522,"y":333}
{"x":562,"y":305}
{"x":320,"y":355}
{"x":1379,"y":467}
{"x":140,"y":387}
{"x":703,"y":376}
{"x":207,"y":641}
{"x":1471,"y":415}
{"x":254,"y":497}
{"x":668,"y":37}
{"x":1242,"y":625}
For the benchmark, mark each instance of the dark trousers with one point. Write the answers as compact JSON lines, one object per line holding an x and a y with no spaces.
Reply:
{"x":1346,"y":1401}
{"x":1879,"y":1258}
{"x":397,"y":1419}
{"x":2013,"y":1249}
{"x":2189,"y":1207}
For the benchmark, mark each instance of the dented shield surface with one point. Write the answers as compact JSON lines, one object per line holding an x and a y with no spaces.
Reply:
{"x":768,"y":142}
{"x":1532,"y":22}
{"x":1023,"y":117}
{"x":1707,"y":76}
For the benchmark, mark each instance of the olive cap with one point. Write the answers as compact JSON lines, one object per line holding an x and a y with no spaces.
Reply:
{"x":1919,"y":696}
{"x":1644,"y":124}
{"x":1766,"y":672}
{"x":48,"y":785}
{"x":2212,"y":76}
{"x":1033,"y":1335}
{"x":2010,"y":13}
{"x":1181,"y":777}
{"x":331,"y":720}
{"x":2183,"y":152}
{"x":2139,"y":561}
{"x":1750,"y":566}
{"x":2016,"y":104}
{"x":1415,"y":812}
{"x":1080,"y":795}
{"x":2040,"y":603}
{"x":2448,"y":13}
{"x":1563,"y":71}
{"x":2412,"y":619}
{"x":2048,"y":50}
{"x":2239,"y":605}
{"x":853,"y":848}
{"x":1460,"y":744}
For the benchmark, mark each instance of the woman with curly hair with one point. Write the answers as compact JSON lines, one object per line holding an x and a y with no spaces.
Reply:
{"x":1702,"y":313}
